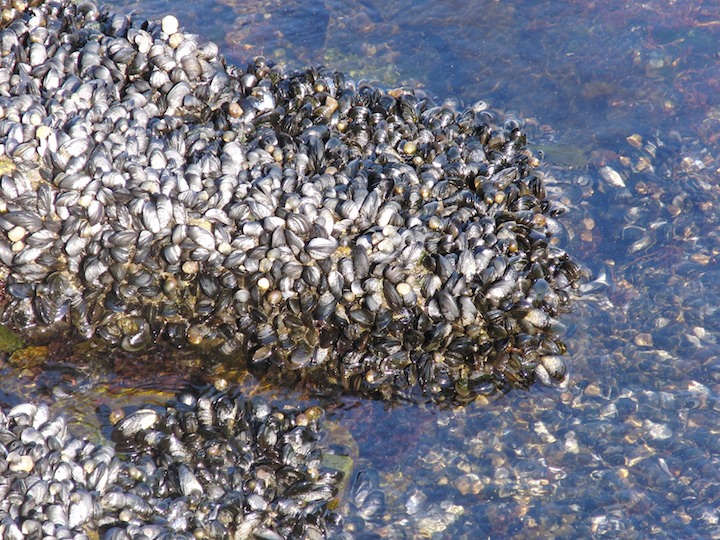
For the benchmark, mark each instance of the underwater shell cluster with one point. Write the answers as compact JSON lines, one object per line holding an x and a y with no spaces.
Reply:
{"x":209,"y":465}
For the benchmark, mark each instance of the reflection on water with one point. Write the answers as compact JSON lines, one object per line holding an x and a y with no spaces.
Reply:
{"x":621,"y":100}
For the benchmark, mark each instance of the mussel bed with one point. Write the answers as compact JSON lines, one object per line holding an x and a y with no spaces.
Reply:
{"x":313,"y":227}
{"x":209,"y":465}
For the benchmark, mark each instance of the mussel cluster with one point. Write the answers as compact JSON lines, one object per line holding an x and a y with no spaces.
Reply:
{"x":49,"y":481}
{"x":224,"y":465}
{"x":369,"y":240}
{"x":210,"y":465}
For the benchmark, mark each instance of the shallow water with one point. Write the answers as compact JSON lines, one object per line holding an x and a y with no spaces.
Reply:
{"x":629,"y":445}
